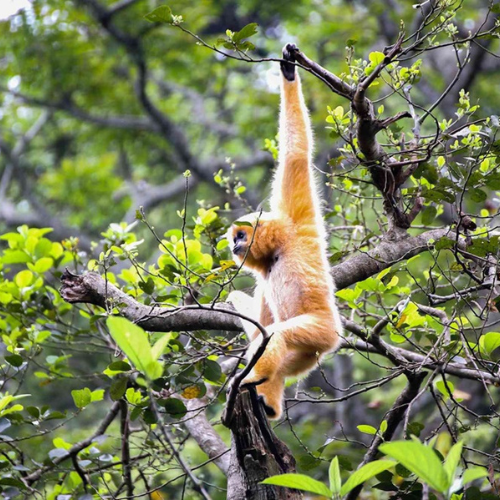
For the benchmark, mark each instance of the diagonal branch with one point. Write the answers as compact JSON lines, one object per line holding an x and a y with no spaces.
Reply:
{"x":76,"y":448}
{"x":387,"y":174}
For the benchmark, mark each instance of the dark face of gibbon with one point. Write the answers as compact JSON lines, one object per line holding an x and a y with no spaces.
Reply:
{"x":256,"y":239}
{"x":240,"y":242}
{"x":240,"y":239}
{"x":243,"y":240}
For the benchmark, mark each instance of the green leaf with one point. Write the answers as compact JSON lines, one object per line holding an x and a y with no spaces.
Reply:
{"x":419,"y":459}
{"x":489,"y":342}
{"x":15,"y":257}
{"x":97,"y":395}
{"x":364,"y":473}
{"x":118,"y":388}
{"x":376,"y":57}
{"x":173,"y":406}
{"x":160,"y":345}
{"x":133,"y":341}
{"x":334,"y":476}
{"x":383,"y":426}
{"x":14,"y":360}
{"x":23,"y":278}
{"x":367,"y":429}
{"x":452,"y":460}
{"x":473,"y":474}
{"x":162,"y":14}
{"x":428,"y":215}
{"x":245,"y":32}
{"x":119,"y":366}
{"x":42,"y":265}
{"x":299,"y":482}
{"x":82,"y":397}
{"x":212,"y":370}
{"x":444,"y":388}
{"x":477,"y":195}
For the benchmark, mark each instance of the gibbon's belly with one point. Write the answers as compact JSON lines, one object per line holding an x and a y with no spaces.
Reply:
{"x":286,"y":291}
{"x":283,"y":292}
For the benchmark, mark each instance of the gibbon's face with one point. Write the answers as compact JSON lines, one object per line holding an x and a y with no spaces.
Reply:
{"x":240,"y":238}
{"x":244,"y":244}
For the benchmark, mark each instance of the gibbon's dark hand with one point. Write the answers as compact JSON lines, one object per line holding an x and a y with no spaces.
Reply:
{"x":288,"y":69}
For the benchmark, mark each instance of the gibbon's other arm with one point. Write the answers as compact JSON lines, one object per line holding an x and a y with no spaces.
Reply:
{"x":294,"y":193}
{"x":253,"y":307}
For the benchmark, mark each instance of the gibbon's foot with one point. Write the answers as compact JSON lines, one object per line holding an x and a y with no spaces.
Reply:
{"x":246,"y":382}
{"x":288,"y":69}
{"x":270,"y":412}
{"x":253,"y":381}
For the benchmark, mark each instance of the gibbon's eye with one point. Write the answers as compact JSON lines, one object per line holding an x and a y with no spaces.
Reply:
{"x":240,"y":235}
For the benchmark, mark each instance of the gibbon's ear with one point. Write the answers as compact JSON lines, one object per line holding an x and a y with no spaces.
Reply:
{"x":287,"y":68}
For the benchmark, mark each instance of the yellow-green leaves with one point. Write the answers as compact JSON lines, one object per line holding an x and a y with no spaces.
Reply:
{"x":134,"y":342}
{"x":364,"y":473}
{"x":306,"y":483}
{"x":162,"y":14}
{"x":489,"y":342}
{"x":6,"y":402}
{"x":236,"y":40}
{"x":299,"y":482}
{"x":334,"y":476}
{"x":421,"y":460}
{"x":83,"y":397}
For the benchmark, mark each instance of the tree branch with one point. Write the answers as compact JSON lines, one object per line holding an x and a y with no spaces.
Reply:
{"x":204,"y":434}
{"x":76,"y":448}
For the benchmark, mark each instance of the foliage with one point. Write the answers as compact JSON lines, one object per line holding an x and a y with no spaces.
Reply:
{"x":131,"y":136}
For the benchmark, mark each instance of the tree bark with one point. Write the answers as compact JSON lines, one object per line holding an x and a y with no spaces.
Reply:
{"x":256,"y":453}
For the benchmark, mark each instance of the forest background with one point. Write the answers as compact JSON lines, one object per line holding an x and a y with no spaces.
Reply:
{"x":132,"y":134}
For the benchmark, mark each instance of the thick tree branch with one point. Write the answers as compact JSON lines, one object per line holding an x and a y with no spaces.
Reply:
{"x":94,"y":289}
{"x":384,"y":255}
{"x":204,"y":434}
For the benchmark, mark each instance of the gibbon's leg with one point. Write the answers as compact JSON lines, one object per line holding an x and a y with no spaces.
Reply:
{"x":294,"y":193}
{"x":283,"y":357}
{"x":272,"y":391}
{"x":265,"y":374}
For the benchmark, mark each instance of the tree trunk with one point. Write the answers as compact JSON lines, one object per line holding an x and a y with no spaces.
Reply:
{"x":256,"y":453}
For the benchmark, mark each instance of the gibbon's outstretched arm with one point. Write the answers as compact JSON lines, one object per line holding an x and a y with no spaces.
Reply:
{"x":286,"y":250}
{"x":293,"y":191}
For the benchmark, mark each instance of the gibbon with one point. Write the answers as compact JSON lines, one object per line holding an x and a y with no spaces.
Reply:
{"x":286,"y":251}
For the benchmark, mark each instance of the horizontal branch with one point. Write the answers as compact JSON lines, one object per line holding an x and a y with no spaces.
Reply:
{"x":92,"y":288}
{"x":416,"y":360}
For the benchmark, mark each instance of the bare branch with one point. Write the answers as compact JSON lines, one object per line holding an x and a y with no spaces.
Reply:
{"x":204,"y":434}
{"x":76,"y":448}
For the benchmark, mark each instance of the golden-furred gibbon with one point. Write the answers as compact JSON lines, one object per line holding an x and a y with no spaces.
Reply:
{"x":286,"y":251}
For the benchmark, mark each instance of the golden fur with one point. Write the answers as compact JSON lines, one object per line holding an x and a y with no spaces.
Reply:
{"x":286,"y":250}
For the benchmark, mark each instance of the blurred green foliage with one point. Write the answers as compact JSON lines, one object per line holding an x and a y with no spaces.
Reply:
{"x":81,"y":152}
